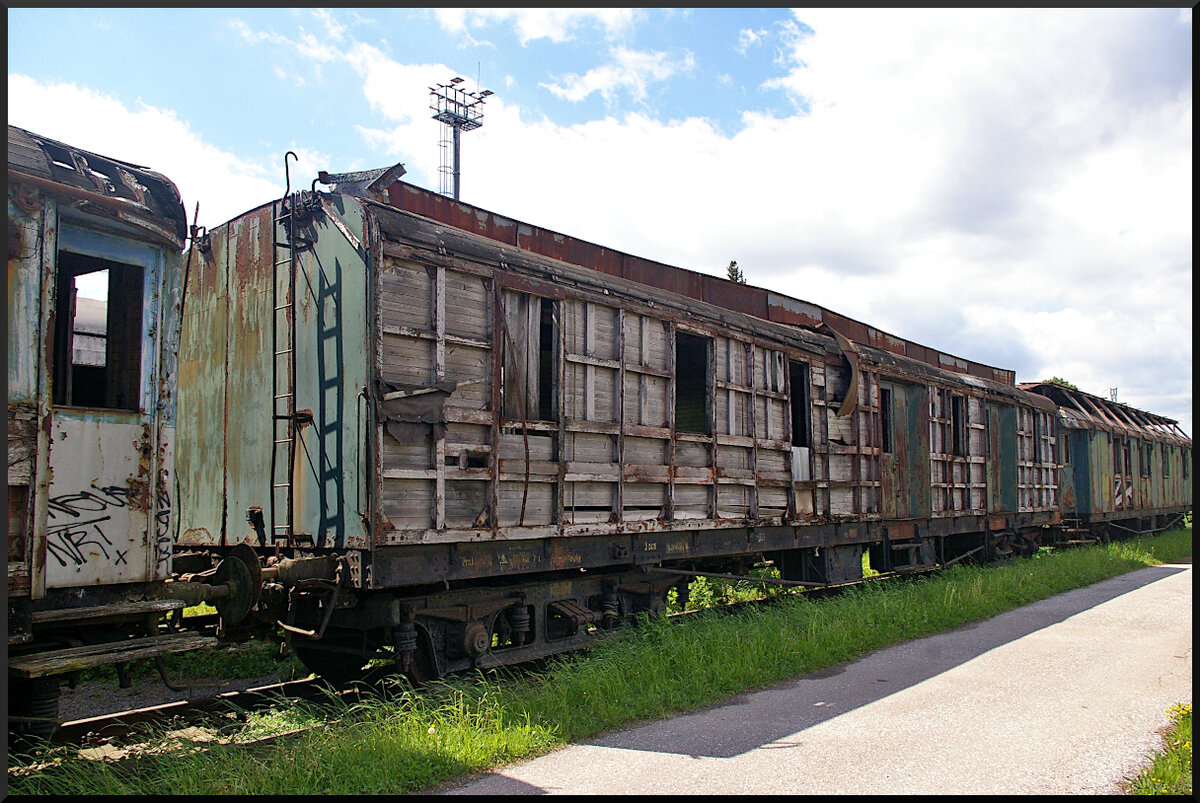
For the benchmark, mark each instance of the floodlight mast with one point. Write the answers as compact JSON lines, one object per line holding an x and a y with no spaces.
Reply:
{"x":457,"y":110}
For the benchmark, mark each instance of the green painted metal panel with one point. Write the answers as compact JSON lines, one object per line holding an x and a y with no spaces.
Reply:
{"x":1102,"y":475}
{"x":333,"y":369}
{"x":905,"y":471}
{"x":201,"y":404}
{"x":248,"y":394}
{"x":228,"y":405}
{"x":1002,"y":458}
{"x":1081,"y":470}
{"x":917,"y":455}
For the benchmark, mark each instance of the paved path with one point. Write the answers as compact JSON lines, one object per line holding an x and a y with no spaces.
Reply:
{"x":1063,"y":696}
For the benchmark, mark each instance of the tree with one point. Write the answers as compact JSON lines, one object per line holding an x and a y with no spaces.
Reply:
{"x":1055,"y":380}
{"x":734,"y":273}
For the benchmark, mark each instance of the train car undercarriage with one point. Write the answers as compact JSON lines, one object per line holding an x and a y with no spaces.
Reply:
{"x":440,"y":625}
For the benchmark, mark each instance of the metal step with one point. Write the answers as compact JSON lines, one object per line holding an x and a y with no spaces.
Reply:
{"x":116,"y":610}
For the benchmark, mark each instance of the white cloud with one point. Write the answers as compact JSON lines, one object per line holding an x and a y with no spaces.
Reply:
{"x":223,"y":184}
{"x":748,"y":38}
{"x":630,"y":70}
{"x":555,"y":24}
{"x":1011,"y":188}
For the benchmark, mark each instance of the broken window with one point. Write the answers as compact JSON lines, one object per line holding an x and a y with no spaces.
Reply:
{"x":1187,"y":462}
{"x":693,"y":383}
{"x":98,"y":333}
{"x":1066,"y":447}
{"x":528,"y":368}
{"x":958,"y":425}
{"x":885,"y":418}
{"x":801,"y":419}
{"x":1037,"y":437}
{"x":1144,"y":453}
{"x":1167,"y":452}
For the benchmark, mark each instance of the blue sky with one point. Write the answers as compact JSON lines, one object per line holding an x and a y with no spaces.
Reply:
{"x":1009,"y":186}
{"x":250,"y":89}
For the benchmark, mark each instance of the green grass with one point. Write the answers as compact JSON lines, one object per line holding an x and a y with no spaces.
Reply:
{"x":1170,"y":772}
{"x":405,"y":741}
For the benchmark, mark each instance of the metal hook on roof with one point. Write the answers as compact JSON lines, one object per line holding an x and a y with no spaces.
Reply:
{"x":286,"y":175}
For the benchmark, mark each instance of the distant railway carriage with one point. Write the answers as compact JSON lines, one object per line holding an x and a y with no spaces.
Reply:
{"x":1122,"y":468}
{"x":90,"y":412}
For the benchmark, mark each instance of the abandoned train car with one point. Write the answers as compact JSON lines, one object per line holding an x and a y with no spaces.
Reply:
{"x":426,"y":432}
{"x":91,"y":403}
{"x":1123,"y":470}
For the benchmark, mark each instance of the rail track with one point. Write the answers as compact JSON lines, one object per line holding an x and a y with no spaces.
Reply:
{"x":225,"y":711}
{"x":207,"y":717}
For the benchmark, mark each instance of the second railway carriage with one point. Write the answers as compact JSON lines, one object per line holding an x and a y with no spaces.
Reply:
{"x":1123,"y":470}
{"x":423,"y":431}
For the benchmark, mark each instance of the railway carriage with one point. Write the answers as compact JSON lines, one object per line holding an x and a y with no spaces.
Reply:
{"x":466,"y":441}
{"x":91,"y":408}
{"x":1123,"y":470}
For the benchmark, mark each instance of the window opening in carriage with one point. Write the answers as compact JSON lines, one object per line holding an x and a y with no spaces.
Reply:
{"x":1187,"y":463}
{"x":885,"y":418}
{"x":528,"y":369}
{"x":1037,"y":437}
{"x":1126,"y":451}
{"x":958,"y":425}
{"x":98,"y":333}
{"x":546,"y":340}
{"x":1145,"y":450}
{"x":1167,"y":453}
{"x":1066,"y":446}
{"x":801,"y":405}
{"x":693,"y":385}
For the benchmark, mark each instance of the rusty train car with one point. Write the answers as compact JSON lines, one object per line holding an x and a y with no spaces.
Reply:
{"x":400,"y":427}
{"x":451,"y":439}
{"x":91,"y":403}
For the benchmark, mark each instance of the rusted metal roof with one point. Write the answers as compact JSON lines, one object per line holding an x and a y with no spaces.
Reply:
{"x":714,"y":290}
{"x":135,"y":193}
{"x":1082,"y":410}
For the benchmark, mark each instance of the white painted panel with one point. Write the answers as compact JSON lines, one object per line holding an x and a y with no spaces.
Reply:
{"x":94,"y":533}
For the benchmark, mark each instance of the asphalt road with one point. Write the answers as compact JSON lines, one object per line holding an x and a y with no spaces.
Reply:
{"x":1065,"y":696}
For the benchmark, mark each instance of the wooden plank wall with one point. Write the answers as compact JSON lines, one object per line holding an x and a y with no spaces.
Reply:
{"x":959,"y":482}
{"x":1037,"y":467}
{"x":609,"y":456}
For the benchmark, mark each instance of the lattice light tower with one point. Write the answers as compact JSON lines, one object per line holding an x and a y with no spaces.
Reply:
{"x":458,"y":110}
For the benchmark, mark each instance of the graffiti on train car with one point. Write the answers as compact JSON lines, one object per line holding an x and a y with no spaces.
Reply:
{"x":163,"y":542}
{"x":76,"y":521}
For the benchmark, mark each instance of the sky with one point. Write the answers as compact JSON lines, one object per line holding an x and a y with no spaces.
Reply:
{"x":1011,"y":187}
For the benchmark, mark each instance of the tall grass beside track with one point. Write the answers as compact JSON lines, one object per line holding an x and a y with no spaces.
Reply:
{"x":407,"y":740}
